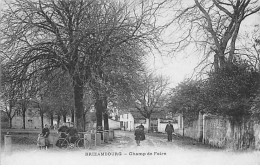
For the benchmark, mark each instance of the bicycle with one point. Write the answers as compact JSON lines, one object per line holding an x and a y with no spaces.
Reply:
{"x":80,"y":142}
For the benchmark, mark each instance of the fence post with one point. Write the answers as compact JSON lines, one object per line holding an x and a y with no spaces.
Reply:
{"x":204,"y":128}
{"x":87,"y":137}
{"x":8,"y":143}
{"x":106,"y":136}
{"x":111,"y":135}
{"x":98,"y":139}
{"x":200,"y":127}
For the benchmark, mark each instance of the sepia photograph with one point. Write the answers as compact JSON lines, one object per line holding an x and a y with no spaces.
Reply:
{"x":130,"y":82}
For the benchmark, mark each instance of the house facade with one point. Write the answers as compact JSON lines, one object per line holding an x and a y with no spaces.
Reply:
{"x":129,"y":121}
{"x":113,"y":124}
{"x":33,"y":120}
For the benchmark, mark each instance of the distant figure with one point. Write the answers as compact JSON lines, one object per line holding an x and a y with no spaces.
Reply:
{"x":62,"y":130}
{"x":138,"y":135}
{"x":63,"y":133}
{"x":51,"y":127}
{"x":141,"y":126}
{"x":169,"y":129}
{"x":45,"y":134}
{"x":143,"y":135}
{"x":72,"y":134}
{"x":55,"y":126}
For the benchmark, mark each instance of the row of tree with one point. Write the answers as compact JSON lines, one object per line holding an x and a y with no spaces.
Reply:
{"x":230,"y":86}
{"x":69,"y":55}
{"x":97,"y":47}
{"x":231,"y":93}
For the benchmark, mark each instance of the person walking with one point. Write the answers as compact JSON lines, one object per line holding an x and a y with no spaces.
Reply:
{"x":142,"y":129}
{"x":138,"y":135}
{"x":169,"y":129}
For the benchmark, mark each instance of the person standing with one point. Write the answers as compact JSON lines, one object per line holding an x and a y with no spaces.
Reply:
{"x":62,"y":131}
{"x":138,"y":135}
{"x":72,"y":133}
{"x":45,"y":134}
{"x":169,"y":129}
{"x":141,"y":126}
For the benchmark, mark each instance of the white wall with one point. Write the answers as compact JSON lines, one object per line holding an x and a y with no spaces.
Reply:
{"x":17,"y":122}
{"x":113,"y":124}
{"x":161,"y":126}
{"x":128,"y":121}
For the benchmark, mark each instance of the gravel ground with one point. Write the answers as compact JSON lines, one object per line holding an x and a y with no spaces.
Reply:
{"x":123,"y":150}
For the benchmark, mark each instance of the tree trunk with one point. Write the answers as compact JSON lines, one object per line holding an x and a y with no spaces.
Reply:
{"x":182,"y":123}
{"x":106,"y":124}
{"x":58,"y":121}
{"x":149,"y":123}
{"x":222,"y":62}
{"x":99,"y":116}
{"x":42,"y":119}
{"x":10,"y":122}
{"x":216,"y":63}
{"x":72,"y":116}
{"x":64,"y":118}
{"x":24,"y":110}
{"x":84,"y":119}
{"x":51,"y":119}
{"x":78,"y":103}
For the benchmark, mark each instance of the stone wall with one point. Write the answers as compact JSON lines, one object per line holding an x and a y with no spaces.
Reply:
{"x":257,"y":136}
{"x":30,"y":122}
{"x":215,"y":131}
{"x":189,"y":131}
{"x":112,"y":124}
{"x":220,"y":132}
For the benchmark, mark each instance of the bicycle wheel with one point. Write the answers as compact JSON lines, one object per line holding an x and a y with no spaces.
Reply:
{"x":81,"y":145}
{"x":63,"y":143}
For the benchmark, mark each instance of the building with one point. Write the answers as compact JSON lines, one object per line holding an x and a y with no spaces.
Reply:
{"x":113,"y":124}
{"x":129,"y":121}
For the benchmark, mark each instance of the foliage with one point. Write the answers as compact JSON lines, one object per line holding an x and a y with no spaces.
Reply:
{"x":187,"y":99}
{"x":213,"y":26}
{"x":228,"y":92}
{"x":76,"y":37}
{"x":150,"y":94}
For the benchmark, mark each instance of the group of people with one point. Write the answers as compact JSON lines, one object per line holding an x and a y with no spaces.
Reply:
{"x":71,"y":133}
{"x":140,"y":135}
{"x":65,"y":132}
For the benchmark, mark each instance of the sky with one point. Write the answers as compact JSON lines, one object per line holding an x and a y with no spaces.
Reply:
{"x":180,"y":67}
{"x":177,"y":68}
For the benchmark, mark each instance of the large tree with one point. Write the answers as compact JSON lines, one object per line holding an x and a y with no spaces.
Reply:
{"x":74,"y":36}
{"x":188,"y":99}
{"x":151,"y":95}
{"x":213,"y":26}
{"x":9,"y":95}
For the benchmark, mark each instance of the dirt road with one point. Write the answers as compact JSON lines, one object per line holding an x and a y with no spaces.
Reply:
{"x":123,"y":150}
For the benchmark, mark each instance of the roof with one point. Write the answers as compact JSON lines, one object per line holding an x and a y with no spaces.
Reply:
{"x":137,"y":115}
